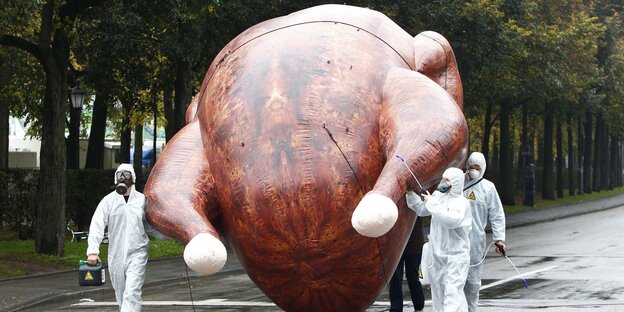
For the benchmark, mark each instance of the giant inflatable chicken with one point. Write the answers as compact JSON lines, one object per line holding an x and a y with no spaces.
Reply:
{"x":289,"y":154}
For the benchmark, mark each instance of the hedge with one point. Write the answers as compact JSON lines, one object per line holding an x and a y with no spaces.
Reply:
{"x":18,"y":198}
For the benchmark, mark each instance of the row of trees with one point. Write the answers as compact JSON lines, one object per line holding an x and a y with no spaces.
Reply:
{"x":532,"y":71}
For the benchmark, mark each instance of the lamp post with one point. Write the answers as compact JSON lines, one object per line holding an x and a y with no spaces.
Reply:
{"x":77,"y":98}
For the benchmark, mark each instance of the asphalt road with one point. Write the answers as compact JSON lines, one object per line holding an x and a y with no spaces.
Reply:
{"x":570,"y":264}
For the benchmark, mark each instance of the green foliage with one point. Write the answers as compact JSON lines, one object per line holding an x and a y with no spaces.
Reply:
{"x":22,"y":87}
{"x":20,"y":18}
{"x":18,"y":258}
{"x":85,"y":188}
{"x":18,"y":215}
{"x":614,"y":77}
{"x":4,"y":194}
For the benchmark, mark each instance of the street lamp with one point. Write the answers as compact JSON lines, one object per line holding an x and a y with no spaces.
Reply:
{"x":77,"y":98}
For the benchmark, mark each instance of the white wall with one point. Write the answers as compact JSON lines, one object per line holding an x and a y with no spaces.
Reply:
{"x":20,"y":143}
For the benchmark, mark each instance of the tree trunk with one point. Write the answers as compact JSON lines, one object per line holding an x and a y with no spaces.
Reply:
{"x":97,"y":136}
{"x":605,"y":163}
{"x":4,"y":135}
{"x":620,"y":155}
{"x":597,"y":153}
{"x":547,"y":176}
{"x":506,"y":157}
{"x":525,"y":124}
{"x":571,"y":161}
{"x":138,"y":156}
{"x":126,"y":138}
{"x":587,"y":161}
{"x":50,"y":229}
{"x":614,"y":162}
{"x":169,"y":114}
{"x":559,"y":159}
{"x":493,"y":165}
{"x":524,"y":150}
{"x":487,"y":130}
{"x":580,"y":152}
{"x":182,"y":93}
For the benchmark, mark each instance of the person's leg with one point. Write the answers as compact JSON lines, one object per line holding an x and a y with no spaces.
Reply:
{"x":473,"y":284}
{"x":438,"y":275}
{"x":457,"y":271}
{"x":118,"y":280}
{"x":412,"y":262}
{"x":396,"y":288}
{"x":135,"y":276}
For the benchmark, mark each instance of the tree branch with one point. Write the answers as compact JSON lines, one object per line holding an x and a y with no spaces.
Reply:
{"x":22,"y":44}
{"x":73,"y":7}
{"x":75,"y":72}
{"x":47,"y":24}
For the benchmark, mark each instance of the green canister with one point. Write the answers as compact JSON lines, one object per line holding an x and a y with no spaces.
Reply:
{"x":91,"y":275}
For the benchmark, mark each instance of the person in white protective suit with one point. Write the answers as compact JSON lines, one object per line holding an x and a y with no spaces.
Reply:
{"x":485,"y":205}
{"x":449,"y":239}
{"x":123,"y":212}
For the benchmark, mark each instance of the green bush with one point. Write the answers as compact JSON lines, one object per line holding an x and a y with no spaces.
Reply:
{"x":85,"y":189}
{"x":3,"y":192}
{"x":19,"y":212}
{"x":4,"y":203}
{"x":18,"y":199}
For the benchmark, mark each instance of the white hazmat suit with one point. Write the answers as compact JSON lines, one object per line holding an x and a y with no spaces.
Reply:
{"x":485,"y":205}
{"x":127,"y":242}
{"x":449,"y":243}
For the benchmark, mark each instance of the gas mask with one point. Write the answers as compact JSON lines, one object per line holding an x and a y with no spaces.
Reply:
{"x":444,"y":186}
{"x":124,"y":180}
{"x":473,"y":173}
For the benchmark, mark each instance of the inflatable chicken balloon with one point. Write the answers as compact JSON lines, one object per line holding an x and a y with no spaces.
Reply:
{"x":290,"y":151}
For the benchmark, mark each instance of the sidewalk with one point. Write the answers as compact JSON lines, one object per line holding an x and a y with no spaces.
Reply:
{"x":30,"y":291}
{"x":548,"y":214}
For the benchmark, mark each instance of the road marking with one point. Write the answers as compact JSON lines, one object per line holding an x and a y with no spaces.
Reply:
{"x":207,"y":303}
{"x":516,"y":277}
{"x":85,"y":302}
{"x":542,"y":304}
{"x":405,"y":303}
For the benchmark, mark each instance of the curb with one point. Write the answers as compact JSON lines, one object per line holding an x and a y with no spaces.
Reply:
{"x":108,"y":288}
{"x":561,"y":212}
{"x":37,"y":275}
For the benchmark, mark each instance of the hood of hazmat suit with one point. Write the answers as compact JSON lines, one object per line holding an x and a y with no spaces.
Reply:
{"x":125,"y":167}
{"x":475,"y":158}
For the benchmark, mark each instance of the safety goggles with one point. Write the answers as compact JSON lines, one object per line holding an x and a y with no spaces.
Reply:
{"x":124,"y":175}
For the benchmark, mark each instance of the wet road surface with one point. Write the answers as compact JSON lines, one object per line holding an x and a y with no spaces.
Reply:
{"x":571,"y":264}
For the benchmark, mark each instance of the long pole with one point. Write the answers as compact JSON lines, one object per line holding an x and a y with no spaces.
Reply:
{"x":73,"y":154}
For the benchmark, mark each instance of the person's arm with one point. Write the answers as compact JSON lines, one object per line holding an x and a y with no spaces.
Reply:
{"x":415,"y":203}
{"x":496,"y":214}
{"x":99,"y":221}
{"x":449,"y":217}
